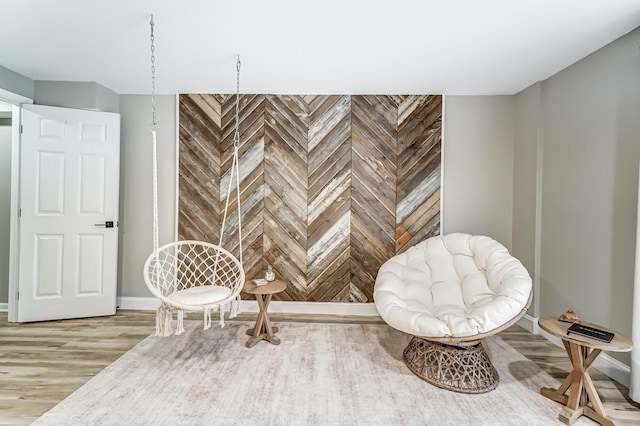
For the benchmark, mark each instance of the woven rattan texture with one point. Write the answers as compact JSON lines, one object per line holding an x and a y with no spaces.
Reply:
{"x":460,"y":369}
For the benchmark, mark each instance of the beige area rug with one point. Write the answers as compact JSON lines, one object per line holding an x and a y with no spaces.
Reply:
{"x":321,"y":374}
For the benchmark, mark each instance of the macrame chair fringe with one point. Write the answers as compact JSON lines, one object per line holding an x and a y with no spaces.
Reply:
{"x":164,"y":321}
{"x":235,"y":307}
{"x":207,"y":318}
{"x":164,"y":317}
{"x":221,"y":322}
{"x":180,"y":322}
{"x":159,"y":320}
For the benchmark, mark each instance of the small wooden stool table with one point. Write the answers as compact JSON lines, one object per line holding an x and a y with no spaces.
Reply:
{"x":263,"y":329}
{"x":582,"y":397}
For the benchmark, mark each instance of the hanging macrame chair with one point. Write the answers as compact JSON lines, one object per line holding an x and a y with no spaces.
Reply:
{"x":193,"y":276}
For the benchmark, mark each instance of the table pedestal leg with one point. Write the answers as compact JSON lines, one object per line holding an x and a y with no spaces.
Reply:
{"x":262,"y":329}
{"x":577,"y":392}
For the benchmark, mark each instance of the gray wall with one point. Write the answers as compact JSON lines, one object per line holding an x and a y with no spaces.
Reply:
{"x":16,"y":83}
{"x":136,"y":213}
{"x":5,"y":207}
{"x":477,"y":181}
{"x":526,"y":213}
{"x":478,"y":166}
{"x":589,"y":188}
{"x":76,"y":94}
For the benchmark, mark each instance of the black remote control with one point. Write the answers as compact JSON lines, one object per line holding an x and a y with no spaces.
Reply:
{"x":593,"y":333}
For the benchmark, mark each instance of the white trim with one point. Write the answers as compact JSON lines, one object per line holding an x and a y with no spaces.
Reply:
{"x":608,"y":365}
{"x":14,"y":98}
{"x":314,"y":308}
{"x":137,"y":303}
{"x":529,"y":323}
{"x":276,"y":307}
{"x":442,"y":147}
{"x":14,"y":219}
{"x":4,"y":307}
{"x":634,"y":387}
{"x":537,"y":248}
{"x":14,"y":225}
{"x":177,"y":170}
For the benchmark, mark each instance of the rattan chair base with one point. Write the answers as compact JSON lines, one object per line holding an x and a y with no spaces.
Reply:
{"x":460,"y":369}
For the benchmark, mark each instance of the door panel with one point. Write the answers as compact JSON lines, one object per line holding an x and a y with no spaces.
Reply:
{"x":90,"y":269}
{"x":47,"y":260}
{"x":50,"y":183}
{"x":69,"y":188}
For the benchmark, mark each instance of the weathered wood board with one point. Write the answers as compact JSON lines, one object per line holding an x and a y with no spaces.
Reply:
{"x":331,"y":186}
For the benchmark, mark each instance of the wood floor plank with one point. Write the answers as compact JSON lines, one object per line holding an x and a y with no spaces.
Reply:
{"x":43,"y":363}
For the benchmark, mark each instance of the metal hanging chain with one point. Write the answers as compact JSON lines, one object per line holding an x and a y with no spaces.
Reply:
{"x":153,"y":75}
{"x":236,"y":135}
{"x":236,"y":143}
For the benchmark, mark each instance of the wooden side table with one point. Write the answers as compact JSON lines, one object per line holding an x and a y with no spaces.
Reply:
{"x":263,"y":329}
{"x":577,"y":392}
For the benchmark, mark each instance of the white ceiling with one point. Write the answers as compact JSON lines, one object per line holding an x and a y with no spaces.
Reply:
{"x":469,"y":47}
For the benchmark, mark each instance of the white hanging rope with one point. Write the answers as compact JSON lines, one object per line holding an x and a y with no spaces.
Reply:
{"x":236,"y":146}
{"x":154,"y":136}
{"x":235,"y":150}
{"x":155,"y":192}
{"x":235,"y":167}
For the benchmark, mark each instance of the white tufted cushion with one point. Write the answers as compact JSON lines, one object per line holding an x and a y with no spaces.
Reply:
{"x":456,"y":285}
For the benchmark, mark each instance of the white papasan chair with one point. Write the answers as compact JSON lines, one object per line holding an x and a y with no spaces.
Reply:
{"x":450,"y":292}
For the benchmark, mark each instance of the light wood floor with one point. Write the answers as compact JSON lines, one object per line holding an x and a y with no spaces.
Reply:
{"x":43,"y":363}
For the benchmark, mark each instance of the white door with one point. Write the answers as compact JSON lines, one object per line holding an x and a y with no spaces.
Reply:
{"x":69,"y":191}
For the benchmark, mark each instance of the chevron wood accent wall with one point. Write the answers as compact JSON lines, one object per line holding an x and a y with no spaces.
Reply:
{"x":374,"y":156}
{"x":200,"y":125}
{"x":329,"y":208}
{"x":251,"y":171}
{"x":331,"y":186}
{"x":419,"y":169}
{"x":286,"y":186}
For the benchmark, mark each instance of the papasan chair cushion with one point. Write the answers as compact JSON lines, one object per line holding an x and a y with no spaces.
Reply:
{"x":453,"y":289}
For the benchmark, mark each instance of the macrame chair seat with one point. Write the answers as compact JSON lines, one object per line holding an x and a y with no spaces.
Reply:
{"x":450,"y":292}
{"x":193,"y":276}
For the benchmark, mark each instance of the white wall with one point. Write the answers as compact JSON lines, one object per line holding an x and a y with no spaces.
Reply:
{"x":136,"y":214}
{"x":5,"y":209}
{"x":479,"y":133}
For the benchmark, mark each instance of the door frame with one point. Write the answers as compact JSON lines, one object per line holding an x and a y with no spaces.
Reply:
{"x":14,"y":226}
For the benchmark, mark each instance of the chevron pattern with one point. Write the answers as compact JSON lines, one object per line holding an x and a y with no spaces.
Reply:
{"x":251,"y":170}
{"x":332,"y":186}
{"x":419,"y":168}
{"x":199,"y":168}
{"x":329,"y":197}
{"x":285,"y":198}
{"x":373,"y":198}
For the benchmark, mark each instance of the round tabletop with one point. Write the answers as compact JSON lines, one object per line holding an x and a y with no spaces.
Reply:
{"x":275,"y":286}
{"x":559,"y":329}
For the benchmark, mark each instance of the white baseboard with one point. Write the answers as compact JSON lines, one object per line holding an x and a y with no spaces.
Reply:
{"x":278,"y":307}
{"x":529,"y":323}
{"x":608,"y":365}
{"x":137,"y":303}
{"x":4,"y":307}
